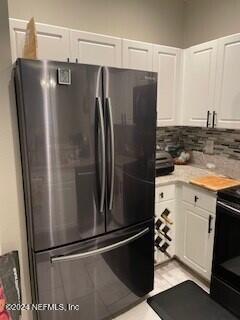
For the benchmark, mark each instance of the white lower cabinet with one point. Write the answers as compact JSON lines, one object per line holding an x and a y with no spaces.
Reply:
{"x":185,"y":226}
{"x":195,"y":229}
{"x":198,"y":236}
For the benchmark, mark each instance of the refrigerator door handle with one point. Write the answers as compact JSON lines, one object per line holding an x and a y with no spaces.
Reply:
{"x":100,"y":250}
{"x":109,"y":108}
{"x":103,"y":154}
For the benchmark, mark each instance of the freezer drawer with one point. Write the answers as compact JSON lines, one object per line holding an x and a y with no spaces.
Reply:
{"x":102,"y":275}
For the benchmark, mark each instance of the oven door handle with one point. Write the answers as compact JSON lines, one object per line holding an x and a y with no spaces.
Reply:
{"x":100,"y":250}
{"x":226,"y":206}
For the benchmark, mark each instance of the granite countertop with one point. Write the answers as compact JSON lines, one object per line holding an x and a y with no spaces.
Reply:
{"x":183,"y":173}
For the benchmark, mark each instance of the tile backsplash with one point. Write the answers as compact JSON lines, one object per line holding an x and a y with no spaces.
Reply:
{"x":168,"y":136}
{"x":226,"y":141}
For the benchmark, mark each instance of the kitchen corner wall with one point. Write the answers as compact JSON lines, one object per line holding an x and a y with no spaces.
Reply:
{"x":206,"y":20}
{"x":226,"y":141}
{"x":12,"y":226}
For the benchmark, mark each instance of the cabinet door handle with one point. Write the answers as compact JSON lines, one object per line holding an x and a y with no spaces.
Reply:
{"x":162,"y":195}
{"x":208,"y":118}
{"x":196,"y":199}
{"x":214,"y":119}
{"x":210,"y":224}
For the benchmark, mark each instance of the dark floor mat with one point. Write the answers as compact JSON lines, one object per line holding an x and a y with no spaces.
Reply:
{"x":187,"y":301}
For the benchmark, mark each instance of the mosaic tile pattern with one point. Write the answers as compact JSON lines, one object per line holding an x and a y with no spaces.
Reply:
{"x":226,"y":141}
{"x":222,"y":165}
{"x":167,"y":136}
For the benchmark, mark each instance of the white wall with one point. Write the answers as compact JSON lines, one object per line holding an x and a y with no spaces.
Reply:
{"x":157,"y":21}
{"x":206,"y":20}
{"x":12,"y":226}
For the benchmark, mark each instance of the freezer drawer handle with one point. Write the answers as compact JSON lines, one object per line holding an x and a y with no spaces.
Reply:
{"x":99,"y":251}
{"x":103,"y":182}
{"x":112,"y":152}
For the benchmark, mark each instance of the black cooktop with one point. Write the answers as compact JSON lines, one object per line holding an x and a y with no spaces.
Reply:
{"x":231,"y":195}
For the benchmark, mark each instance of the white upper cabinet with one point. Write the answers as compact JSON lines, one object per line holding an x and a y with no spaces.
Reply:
{"x":199,"y":84}
{"x":228,"y":83}
{"x":96,"y":49}
{"x":137,"y":55}
{"x":167,"y":62}
{"x":53,"y":42}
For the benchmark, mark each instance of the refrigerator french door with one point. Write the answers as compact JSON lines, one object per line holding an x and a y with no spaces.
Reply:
{"x":62,"y":151}
{"x":130,"y":104}
{"x":87,"y":136}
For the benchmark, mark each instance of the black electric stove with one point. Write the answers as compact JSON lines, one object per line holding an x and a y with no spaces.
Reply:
{"x":225,"y":283}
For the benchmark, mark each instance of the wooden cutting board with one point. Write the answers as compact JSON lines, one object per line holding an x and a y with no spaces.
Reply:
{"x":215,"y":183}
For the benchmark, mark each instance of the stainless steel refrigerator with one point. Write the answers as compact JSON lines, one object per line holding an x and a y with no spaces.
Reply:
{"x":87,"y":136}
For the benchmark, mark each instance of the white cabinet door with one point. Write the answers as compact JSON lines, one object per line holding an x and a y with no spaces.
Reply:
{"x":53,"y":42}
{"x":96,"y":49}
{"x":137,"y":55}
{"x":166,"y":61}
{"x":199,"y":83}
{"x":228,"y":83}
{"x":198,"y":230}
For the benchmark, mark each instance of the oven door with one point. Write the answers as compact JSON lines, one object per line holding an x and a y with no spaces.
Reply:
{"x":100,"y":276}
{"x":226,"y":260}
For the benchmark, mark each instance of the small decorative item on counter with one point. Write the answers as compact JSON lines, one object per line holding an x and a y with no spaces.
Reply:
{"x":174,"y":151}
{"x":183,"y":158}
{"x":178,"y":153}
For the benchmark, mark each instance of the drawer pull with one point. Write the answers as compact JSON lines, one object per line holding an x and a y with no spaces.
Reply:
{"x":196,"y":198}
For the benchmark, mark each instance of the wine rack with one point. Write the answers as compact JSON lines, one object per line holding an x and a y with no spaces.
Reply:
{"x":164,"y":244}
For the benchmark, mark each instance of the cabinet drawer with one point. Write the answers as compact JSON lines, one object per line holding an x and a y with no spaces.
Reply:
{"x":200,"y":198}
{"x":166,"y":192}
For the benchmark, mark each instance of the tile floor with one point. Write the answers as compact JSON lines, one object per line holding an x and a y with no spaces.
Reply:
{"x":166,"y":276}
